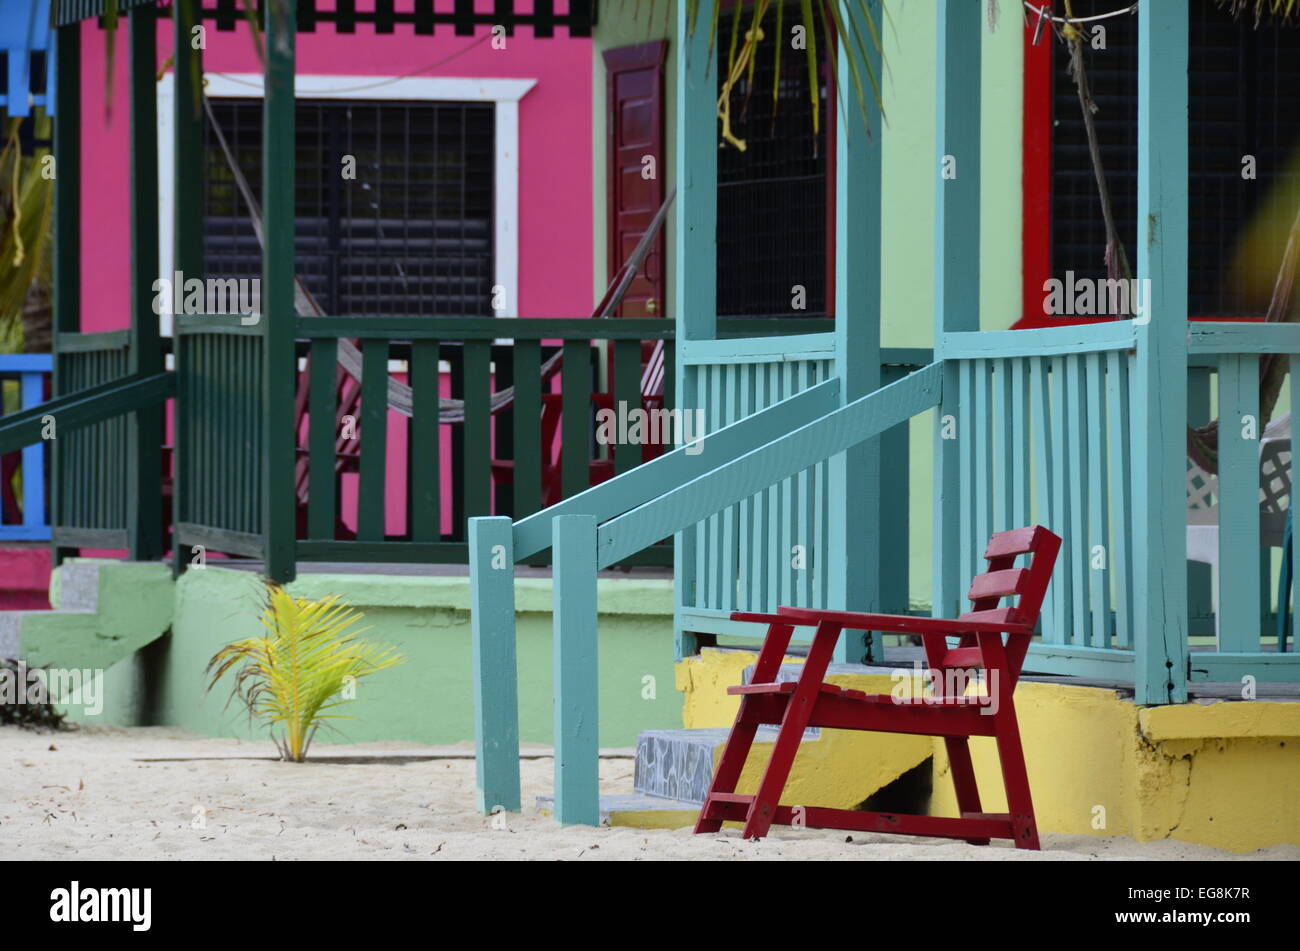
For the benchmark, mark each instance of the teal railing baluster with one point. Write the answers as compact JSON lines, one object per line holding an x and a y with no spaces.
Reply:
{"x":1239,"y":536}
{"x":1098,"y":543}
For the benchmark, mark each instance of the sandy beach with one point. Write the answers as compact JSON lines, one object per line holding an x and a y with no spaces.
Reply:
{"x":160,"y":793}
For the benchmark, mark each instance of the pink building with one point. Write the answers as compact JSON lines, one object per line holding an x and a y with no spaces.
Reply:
{"x":442,"y":175}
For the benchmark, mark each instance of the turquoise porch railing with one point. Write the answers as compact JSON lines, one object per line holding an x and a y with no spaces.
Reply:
{"x":773,"y":547}
{"x":681,"y":491}
{"x":1046,"y":434}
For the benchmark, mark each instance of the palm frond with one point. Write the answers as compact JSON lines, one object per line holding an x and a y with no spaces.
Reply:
{"x":26,"y":214}
{"x":300,"y":668}
{"x":1282,"y":10}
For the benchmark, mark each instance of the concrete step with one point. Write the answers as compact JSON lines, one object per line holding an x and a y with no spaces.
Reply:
{"x":678,"y":764}
{"x":103,"y":612}
{"x":637,"y":811}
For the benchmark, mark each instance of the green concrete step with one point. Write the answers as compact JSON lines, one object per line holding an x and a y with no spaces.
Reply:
{"x":104,"y":611}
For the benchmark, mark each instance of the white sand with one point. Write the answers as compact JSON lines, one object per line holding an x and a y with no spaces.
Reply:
{"x":86,"y":794}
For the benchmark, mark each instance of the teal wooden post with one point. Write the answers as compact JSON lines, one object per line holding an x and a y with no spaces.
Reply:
{"x":855,"y":542}
{"x":187,"y":222}
{"x":1294,"y":361}
{"x":279,"y":367}
{"x":496,"y":678}
{"x":695,"y":218}
{"x":577,"y":750}
{"x":957,"y":271}
{"x":1160,"y":377}
{"x":67,"y":234}
{"x":145,"y":430}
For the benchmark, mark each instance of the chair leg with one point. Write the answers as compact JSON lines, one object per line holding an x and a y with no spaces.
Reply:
{"x":730,"y":766}
{"x":1016,"y":778}
{"x":963,"y":778}
{"x":763,"y":809}
{"x":797,"y":714}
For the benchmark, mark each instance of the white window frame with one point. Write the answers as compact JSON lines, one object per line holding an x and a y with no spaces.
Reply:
{"x":505,"y":94}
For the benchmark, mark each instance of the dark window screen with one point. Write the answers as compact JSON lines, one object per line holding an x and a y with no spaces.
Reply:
{"x":772,"y":196}
{"x":1243,"y":99}
{"x":411,"y":234}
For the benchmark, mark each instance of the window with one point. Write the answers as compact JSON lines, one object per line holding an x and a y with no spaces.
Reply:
{"x":1243,"y":99}
{"x":772,"y":221}
{"x":412,"y":233}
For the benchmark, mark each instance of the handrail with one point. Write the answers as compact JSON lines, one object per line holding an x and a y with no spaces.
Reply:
{"x":777,"y":459}
{"x":758,"y":349}
{"x":529,"y":328}
{"x":1041,"y":341}
{"x":85,"y":408}
{"x":1251,"y":337}
{"x":646,"y":482}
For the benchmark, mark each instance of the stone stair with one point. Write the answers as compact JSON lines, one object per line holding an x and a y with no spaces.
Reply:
{"x":103,"y":611}
{"x":674,"y":768}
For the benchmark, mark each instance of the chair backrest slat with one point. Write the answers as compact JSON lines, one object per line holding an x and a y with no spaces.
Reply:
{"x":997,"y":584}
{"x":1002,"y":580}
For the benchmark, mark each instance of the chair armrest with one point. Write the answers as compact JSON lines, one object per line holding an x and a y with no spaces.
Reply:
{"x":766,"y":618}
{"x":899,"y":623}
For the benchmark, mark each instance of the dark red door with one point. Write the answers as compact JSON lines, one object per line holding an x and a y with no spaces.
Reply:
{"x":635,"y":164}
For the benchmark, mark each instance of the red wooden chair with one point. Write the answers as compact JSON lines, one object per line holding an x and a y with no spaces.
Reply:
{"x":810,"y":702}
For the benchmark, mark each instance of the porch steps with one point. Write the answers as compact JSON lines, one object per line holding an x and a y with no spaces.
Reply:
{"x":674,"y":768}
{"x":103,"y":612}
{"x":637,"y":811}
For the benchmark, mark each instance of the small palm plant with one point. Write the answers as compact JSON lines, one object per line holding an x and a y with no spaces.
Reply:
{"x":300,"y":668}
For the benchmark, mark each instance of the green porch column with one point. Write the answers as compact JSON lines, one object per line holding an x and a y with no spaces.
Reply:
{"x":695,"y":212}
{"x":67,"y":228}
{"x":957,"y":267}
{"x":855,"y":541}
{"x":279,"y":366}
{"x":146,"y":430}
{"x":187,"y":211}
{"x":1160,"y":373}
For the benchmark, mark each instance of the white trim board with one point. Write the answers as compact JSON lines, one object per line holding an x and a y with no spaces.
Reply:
{"x":504,"y":93}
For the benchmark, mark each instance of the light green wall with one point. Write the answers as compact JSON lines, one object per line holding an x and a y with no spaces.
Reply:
{"x":429,"y":698}
{"x":908,"y":92}
{"x":909,"y":41}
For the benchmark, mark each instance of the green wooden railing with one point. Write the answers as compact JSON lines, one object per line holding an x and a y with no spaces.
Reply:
{"x":498,"y":460}
{"x":90,"y":486}
{"x":219,"y":419}
{"x":512,"y":460}
{"x":509,"y":460}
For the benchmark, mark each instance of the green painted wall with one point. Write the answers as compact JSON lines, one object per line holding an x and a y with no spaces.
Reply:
{"x":429,"y":698}
{"x":908,"y":92}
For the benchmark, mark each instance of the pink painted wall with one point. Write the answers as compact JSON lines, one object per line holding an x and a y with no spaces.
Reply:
{"x":555,"y":204}
{"x":555,"y":200}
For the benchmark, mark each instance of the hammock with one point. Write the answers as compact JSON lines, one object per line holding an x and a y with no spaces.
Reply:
{"x":399,"y":394}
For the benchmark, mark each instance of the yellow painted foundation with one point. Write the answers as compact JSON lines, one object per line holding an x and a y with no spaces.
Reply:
{"x":839,"y":770}
{"x":1223,"y":774}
